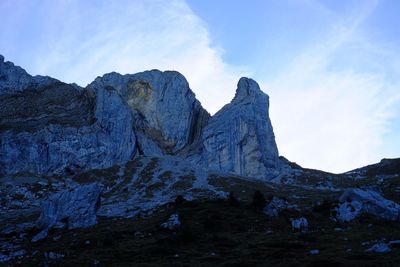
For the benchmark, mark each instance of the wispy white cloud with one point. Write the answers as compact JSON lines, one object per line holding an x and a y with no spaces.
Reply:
{"x":79,"y":40}
{"x":330,"y":117}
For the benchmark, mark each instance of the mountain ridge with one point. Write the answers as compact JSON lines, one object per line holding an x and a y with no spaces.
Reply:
{"x":118,"y":117}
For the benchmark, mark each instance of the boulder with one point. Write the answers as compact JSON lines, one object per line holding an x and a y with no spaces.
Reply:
{"x":172,"y":223}
{"x":299,"y":224}
{"x":239,"y":138}
{"x":355,"y":201}
{"x":348,"y":211}
{"x":70,"y":209}
{"x":273,"y":208}
{"x":380,"y":247}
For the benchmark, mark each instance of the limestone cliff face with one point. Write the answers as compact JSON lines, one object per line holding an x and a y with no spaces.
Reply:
{"x":49,"y":127}
{"x":239,"y":138}
{"x":168,"y":117}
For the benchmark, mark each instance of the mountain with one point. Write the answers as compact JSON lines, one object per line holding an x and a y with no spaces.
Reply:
{"x":48,"y":127}
{"x":132,"y":170}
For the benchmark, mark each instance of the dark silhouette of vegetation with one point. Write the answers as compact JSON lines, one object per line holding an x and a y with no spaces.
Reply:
{"x":323,"y":207}
{"x":179,"y":200}
{"x":232,"y":200}
{"x":258,"y":200}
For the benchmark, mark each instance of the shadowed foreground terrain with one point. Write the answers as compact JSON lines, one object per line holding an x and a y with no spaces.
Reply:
{"x":216,"y":228}
{"x":219,"y":233}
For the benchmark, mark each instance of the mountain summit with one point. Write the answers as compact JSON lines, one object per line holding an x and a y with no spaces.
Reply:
{"x":48,"y":127}
{"x":239,"y":138}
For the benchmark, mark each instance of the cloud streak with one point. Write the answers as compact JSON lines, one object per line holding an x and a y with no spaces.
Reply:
{"x":76,"y":41}
{"x":334,"y":118}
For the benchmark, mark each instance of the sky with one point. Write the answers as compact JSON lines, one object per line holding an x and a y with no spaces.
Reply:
{"x":330,"y":67}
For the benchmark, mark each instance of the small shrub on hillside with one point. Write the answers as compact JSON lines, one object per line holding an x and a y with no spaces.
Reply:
{"x":108,"y":242}
{"x":258,"y":200}
{"x":232,"y":200}
{"x":212,"y":222}
{"x":323,"y":207}
{"x":187,"y":234}
{"x":179,"y":200}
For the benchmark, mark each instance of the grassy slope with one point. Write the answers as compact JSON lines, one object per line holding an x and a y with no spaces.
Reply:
{"x":217,"y":233}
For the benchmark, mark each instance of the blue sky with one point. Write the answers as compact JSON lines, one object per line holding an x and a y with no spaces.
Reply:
{"x":331,"y":68}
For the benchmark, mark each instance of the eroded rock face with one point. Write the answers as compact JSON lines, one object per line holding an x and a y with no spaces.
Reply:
{"x":239,"y":138}
{"x":49,"y":127}
{"x":167,"y":115}
{"x":57,"y":128}
{"x":70,"y":209}
{"x":56,"y":103}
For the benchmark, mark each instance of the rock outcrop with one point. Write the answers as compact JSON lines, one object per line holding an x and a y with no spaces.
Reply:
{"x":70,"y":209}
{"x":172,"y":223}
{"x":299,"y":224}
{"x":49,"y":127}
{"x":167,"y":114}
{"x":239,"y":138}
{"x":275,"y":206}
{"x":15,"y":79}
{"x":355,"y":202}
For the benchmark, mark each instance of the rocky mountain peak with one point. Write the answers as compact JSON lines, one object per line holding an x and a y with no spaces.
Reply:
{"x":15,"y":79}
{"x":239,"y":138}
{"x":247,"y":89}
{"x":12,"y":78}
{"x":61,"y":128}
{"x":167,"y":115}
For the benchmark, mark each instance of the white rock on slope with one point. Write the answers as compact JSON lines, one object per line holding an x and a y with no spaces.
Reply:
{"x":356,"y":201}
{"x":71,"y":209}
{"x":300,"y":224}
{"x":348,"y":211}
{"x":380,"y":247}
{"x":273,"y":208}
{"x":166,"y":178}
{"x":172,"y":223}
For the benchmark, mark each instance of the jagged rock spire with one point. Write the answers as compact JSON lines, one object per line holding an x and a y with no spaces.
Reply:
{"x":239,"y":138}
{"x":246,"y":89}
